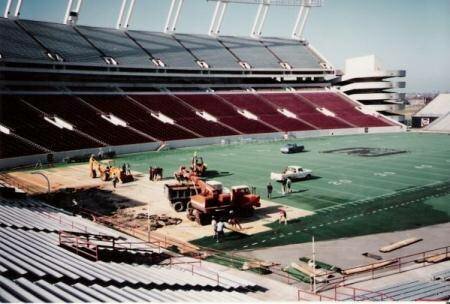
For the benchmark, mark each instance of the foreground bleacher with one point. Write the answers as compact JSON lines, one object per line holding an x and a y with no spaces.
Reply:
{"x":42,"y":124}
{"x":410,"y":291}
{"x":34,"y":268}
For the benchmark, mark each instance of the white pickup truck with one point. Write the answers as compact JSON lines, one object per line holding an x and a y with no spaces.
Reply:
{"x":291,"y":172}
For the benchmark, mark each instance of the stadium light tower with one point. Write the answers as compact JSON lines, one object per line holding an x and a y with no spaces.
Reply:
{"x":260,"y":18}
{"x":12,"y":11}
{"x":263,"y":7}
{"x":217,"y":19}
{"x":126,"y":10}
{"x":172,"y":17}
{"x":305,"y":7}
{"x":72,"y":11}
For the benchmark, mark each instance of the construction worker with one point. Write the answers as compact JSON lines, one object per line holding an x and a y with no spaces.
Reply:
{"x":124,"y":168}
{"x":234,"y":221}
{"x":283,"y":216}
{"x":115,"y":180}
{"x":194,"y":160}
{"x":214,"y":226}
{"x":74,"y":207}
{"x":269,"y":190}
{"x":283,"y":186}
{"x":288,"y":185}
{"x":220,"y":233}
{"x":128,"y":169}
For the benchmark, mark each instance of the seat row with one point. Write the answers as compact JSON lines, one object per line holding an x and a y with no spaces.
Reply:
{"x":39,"y":124}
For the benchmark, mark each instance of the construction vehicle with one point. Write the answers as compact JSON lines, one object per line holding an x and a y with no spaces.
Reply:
{"x":198,"y":166}
{"x":211,"y":199}
{"x":183,"y":174}
{"x":107,"y":172}
{"x":155,"y":174}
{"x":208,"y":201}
{"x":244,"y":201}
{"x":179,"y":194}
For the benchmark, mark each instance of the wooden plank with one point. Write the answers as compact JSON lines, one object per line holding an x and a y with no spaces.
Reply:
{"x":367,"y":267}
{"x":400,"y":244}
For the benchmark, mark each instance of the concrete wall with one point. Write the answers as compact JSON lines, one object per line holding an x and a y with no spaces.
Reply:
{"x":31,"y":160}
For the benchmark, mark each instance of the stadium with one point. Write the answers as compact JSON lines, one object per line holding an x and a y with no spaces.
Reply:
{"x":145,"y":166}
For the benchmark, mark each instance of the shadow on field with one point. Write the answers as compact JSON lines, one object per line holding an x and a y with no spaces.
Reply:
{"x":290,"y":193}
{"x":410,"y":210}
{"x":297,"y":180}
{"x":215,"y":173}
{"x":263,"y":212}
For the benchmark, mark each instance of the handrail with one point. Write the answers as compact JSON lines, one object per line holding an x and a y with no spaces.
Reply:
{"x":397,"y":265}
{"x":79,"y":244}
{"x":163,"y":242}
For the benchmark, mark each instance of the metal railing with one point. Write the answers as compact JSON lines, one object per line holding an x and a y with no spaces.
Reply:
{"x":393,"y":266}
{"x":163,"y":241}
{"x":79,"y":244}
{"x":344,"y":293}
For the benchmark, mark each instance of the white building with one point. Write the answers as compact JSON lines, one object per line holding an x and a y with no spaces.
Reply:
{"x":365,"y":80}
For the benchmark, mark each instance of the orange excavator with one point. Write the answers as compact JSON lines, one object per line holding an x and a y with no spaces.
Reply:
{"x":106,"y":172}
{"x":198,"y":166}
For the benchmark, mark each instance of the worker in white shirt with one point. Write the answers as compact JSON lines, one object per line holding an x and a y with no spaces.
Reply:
{"x":220,"y":232}
{"x":214,"y":226}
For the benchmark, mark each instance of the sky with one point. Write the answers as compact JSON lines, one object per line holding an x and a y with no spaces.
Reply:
{"x":404,"y":34}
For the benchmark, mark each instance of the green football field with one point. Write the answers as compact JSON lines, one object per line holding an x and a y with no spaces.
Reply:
{"x":350,"y":194}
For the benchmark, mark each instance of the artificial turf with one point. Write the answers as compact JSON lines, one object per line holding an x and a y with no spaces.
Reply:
{"x":350,"y":195}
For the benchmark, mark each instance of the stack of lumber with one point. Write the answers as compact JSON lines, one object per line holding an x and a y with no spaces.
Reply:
{"x":256,"y":264}
{"x":370,"y":267}
{"x":399,"y":244}
{"x":437,"y":258}
{"x":309,"y":271}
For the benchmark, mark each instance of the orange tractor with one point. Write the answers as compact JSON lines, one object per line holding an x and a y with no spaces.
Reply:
{"x":107,"y":172}
{"x":211,"y":200}
{"x":198,"y":166}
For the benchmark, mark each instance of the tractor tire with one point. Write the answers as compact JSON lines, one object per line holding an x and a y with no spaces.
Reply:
{"x":93,"y":174}
{"x":178,"y":206}
{"x":190,"y":214}
{"x":308,"y":176}
{"x":202,"y":219}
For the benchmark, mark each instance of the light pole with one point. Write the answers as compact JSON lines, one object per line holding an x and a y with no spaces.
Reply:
{"x":314,"y":264}
{"x":148,"y":220}
{"x":46,"y":178}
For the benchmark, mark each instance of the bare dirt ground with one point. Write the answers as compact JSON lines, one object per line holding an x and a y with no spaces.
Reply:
{"x":135,"y":199}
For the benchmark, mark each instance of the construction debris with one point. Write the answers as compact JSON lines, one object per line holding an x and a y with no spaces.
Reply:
{"x":158,"y":221}
{"x":256,"y":264}
{"x":143,"y":220}
{"x":372,"y":256}
{"x":367,"y":267}
{"x":434,"y":258}
{"x":309,"y":271}
{"x":400,"y":244}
